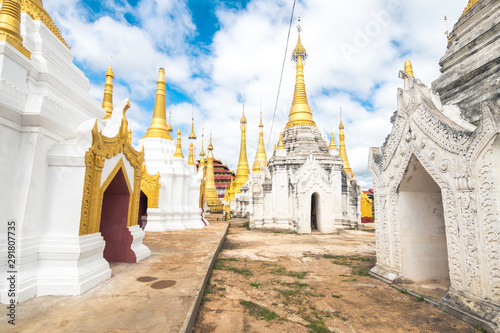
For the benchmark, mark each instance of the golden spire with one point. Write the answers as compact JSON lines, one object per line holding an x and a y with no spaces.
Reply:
{"x":232,"y":190}
{"x":300,"y":112}
{"x":191,"y":154}
{"x":178,"y":149}
{"x":469,"y":5}
{"x":280,"y":143}
{"x":260,"y":155}
{"x":408,"y":68}
{"x":332,"y":142}
{"x":158,"y":128}
{"x":202,"y":153}
{"x":107,"y":100}
{"x":242,"y":171}
{"x":10,"y":25}
{"x":342,"y":150}
{"x":211,"y":196}
{"x":192,"y":135}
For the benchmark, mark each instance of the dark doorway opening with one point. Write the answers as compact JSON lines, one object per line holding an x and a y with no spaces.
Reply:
{"x":143,"y":208}
{"x":113,"y":226}
{"x":314,"y":211}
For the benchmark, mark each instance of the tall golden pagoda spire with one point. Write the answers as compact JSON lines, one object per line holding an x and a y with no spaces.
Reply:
{"x":191,"y":154}
{"x":158,"y":128}
{"x":408,"y":68}
{"x":192,"y":135}
{"x":260,"y":155}
{"x":169,"y":127}
{"x":332,"y":142}
{"x":211,"y":196}
{"x":232,"y":190}
{"x":300,"y":112}
{"x":10,"y":25}
{"x":202,"y":153}
{"x":242,"y":171}
{"x":107,"y":100}
{"x":178,"y":149}
{"x":342,"y":150}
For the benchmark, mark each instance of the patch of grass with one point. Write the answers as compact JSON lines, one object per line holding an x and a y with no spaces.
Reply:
{"x":479,"y":329}
{"x":344,"y":275}
{"x":277,"y":232}
{"x":340,"y":316}
{"x":360,"y":272}
{"x":336,"y":296}
{"x":256,"y":285}
{"x":403,"y":291}
{"x":420,"y":298}
{"x":240,"y":271}
{"x":315,"y":325}
{"x":281,"y":271}
{"x":288,"y":293}
{"x":246,"y":225}
{"x":258,"y":311}
{"x":329,"y":256}
{"x":350,"y":280}
{"x":221,"y":288}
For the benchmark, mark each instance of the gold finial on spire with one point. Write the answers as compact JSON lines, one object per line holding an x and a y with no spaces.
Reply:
{"x":274,"y":149}
{"x":191,"y":154}
{"x":242,"y":171}
{"x":280,"y":143}
{"x":107,"y":100}
{"x":260,"y":155}
{"x":342,"y":149}
{"x":158,"y":127}
{"x":210,"y":147}
{"x":300,"y":112}
{"x":10,"y":25}
{"x":332,"y":142}
{"x":408,"y":68}
{"x":469,"y":5}
{"x":178,"y":149}
{"x":192,"y":135}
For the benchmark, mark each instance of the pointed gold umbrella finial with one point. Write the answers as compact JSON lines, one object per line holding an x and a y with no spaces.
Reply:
{"x":408,"y":68}
{"x":342,"y":149}
{"x":178,"y":149}
{"x":280,"y":143}
{"x":300,"y":112}
{"x":260,"y":155}
{"x":332,"y":142}
{"x":242,"y":170}
{"x":169,"y":127}
{"x":107,"y":100}
{"x":158,"y":127}
{"x":10,"y":25}
{"x":192,"y":135}
{"x":202,"y":153}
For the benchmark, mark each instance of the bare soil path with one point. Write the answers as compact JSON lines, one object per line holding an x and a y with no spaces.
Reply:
{"x":265,"y":281}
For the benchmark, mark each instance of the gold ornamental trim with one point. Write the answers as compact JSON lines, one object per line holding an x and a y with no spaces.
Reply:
{"x":104,"y":148}
{"x":469,"y":5}
{"x":150,"y":185}
{"x":16,"y":43}
{"x":37,"y":13}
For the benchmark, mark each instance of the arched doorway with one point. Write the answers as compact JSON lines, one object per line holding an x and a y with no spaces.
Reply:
{"x":113,"y":226}
{"x":314,"y":211}
{"x":423,"y":237}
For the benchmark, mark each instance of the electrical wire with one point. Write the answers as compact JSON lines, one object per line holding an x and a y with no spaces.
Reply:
{"x":281,"y":76}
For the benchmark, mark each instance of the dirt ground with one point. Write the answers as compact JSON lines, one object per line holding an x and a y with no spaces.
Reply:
{"x":269,"y":281}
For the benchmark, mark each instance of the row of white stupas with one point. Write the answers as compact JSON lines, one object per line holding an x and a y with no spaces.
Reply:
{"x":74,"y":190}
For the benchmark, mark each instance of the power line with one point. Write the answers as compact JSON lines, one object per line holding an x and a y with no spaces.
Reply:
{"x":281,"y":76}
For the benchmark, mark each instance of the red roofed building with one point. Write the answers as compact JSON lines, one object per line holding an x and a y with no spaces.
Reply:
{"x":222,"y":176}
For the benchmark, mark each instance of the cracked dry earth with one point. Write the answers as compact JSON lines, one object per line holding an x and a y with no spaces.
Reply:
{"x":265,"y":281}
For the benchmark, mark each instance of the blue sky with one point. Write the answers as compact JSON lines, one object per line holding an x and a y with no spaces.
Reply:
{"x":219,"y":54}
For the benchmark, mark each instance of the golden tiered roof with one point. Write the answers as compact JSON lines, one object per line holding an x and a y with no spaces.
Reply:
{"x":260,"y":155}
{"x":158,"y":127}
{"x":107,"y":100}
{"x":10,"y":26}
{"x":242,"y":171}
{"x":300,"y":112}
